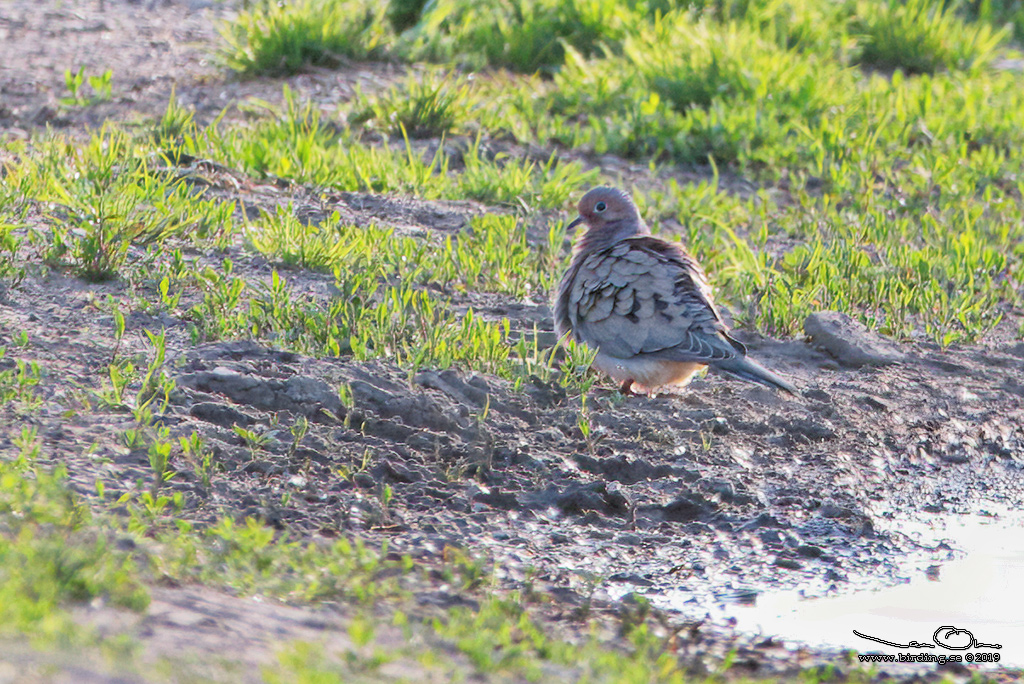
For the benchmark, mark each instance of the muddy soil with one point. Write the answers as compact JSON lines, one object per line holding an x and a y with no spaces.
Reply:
{"x":723,"y":492}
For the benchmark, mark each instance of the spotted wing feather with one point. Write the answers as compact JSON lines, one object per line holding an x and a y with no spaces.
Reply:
{"x":643,"y":297}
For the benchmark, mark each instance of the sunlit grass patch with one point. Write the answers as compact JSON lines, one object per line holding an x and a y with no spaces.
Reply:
{"x":283,"y":38}
{"x":503,"y":639}
{"x":952,"y":114}
{"x":427,"y":105}
{"x":922,"y":36}
{"x":999,"y":13}
{"x":690,"y":88}
{"x":251,"y":558}
{"x":331,"y":244}
{"x":945,"y":275}
{"x":298,"y":145}
{"x":368,"y":320}
{"x":803,"y":25}
{"x":11,"y":272}
{"x":691,"y":63}
{"x":492,"y":254}
{"x":381,"y":308}
{"x":521,"y":35}
{"x":170,"y":131}
{"x":506,"y":179}
{"x":496,"y":255}
{"x":102,"y":198}
{"x":18,"y":380}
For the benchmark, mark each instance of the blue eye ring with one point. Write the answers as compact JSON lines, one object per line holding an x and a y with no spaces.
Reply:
{"x":600,"y":206}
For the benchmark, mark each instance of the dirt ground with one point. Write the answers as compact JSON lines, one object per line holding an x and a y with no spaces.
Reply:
{"x":724,"y":490}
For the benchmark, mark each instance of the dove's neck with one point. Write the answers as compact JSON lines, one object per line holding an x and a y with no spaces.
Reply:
{"x":610,"y":233}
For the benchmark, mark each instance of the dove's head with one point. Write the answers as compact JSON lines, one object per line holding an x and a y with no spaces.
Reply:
{"x":610,"y":216}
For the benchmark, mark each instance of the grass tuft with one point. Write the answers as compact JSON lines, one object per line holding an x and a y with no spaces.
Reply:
{"x":522,"y":35}
{"x":283,"y":38}
{"x":922,"y":37}
{"x":427,"y":105}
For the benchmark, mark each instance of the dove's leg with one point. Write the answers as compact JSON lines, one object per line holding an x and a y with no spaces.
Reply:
{"x":627,"y":387}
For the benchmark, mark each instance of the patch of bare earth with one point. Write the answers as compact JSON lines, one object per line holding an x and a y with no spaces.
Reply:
{"x":152,"y":48}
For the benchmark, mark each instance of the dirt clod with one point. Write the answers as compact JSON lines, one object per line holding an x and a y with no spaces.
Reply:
{"x":851,"y":343}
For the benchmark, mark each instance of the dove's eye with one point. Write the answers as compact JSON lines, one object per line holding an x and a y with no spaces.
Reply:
{"x":600,"y":206}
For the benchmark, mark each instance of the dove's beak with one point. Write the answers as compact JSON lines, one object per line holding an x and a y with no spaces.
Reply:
{"x":575,"y":222}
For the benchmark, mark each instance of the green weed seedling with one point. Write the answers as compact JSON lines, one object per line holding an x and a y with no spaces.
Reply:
{"x":249,"y":557}
{"x":156,"y":384}
{"x":346,"y":396}
{"x":160,"y":457}
{"x":119,"y":327}
{"x":252,"y":439}
{"x":101,"y":199}
{"x":199,"y":456}
{"x":575,"y":372}
{"x":365,"y":461}
{"x":586,"y":426}
{"x":121,"y":374}
{"x":101,"y":86}
{"x":175,"y":127}
{"x":469,"y":571}
{"x":168,"y":301}
{"x":11,"y":273}
{"x":150,"y":510}
{"x":18,"y":383}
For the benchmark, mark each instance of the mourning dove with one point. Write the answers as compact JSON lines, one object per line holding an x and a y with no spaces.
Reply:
{"x":644,"y":304}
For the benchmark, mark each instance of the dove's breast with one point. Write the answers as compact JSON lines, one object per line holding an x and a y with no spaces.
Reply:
{"x":646,"y":372}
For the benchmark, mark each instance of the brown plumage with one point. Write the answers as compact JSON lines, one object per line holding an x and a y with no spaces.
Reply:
{"x":644,"y":303}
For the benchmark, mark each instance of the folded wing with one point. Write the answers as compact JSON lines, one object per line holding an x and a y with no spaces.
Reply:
{"x":645,"y":297}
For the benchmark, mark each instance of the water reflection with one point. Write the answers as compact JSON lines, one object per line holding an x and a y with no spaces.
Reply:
{"x":981,"y":594}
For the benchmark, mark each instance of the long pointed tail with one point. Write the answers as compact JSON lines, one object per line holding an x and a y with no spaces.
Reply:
{"x":751,"y":371}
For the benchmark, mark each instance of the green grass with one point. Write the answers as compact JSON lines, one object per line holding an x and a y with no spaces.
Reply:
{"x":521,"y":35}
{"x":856,"y":156}
{"x":57,"y":551}
{"x":296,"y":144}
{"x":528,"y":36}
{"x":284,"y":38}
{"x":770,"y":89}
{"x":897,"y":230}
{"x":426,"y":105}
{"x":10,"y":272}
{"x":493,"y":254}
{"x":999,"y":13}
{"x":804,"y":25}
{"x":368,"y":320}
{"x":18,"y":380}
{"x":923,"y":36}
{"x":101,"y":199}
{"x":51,"y":551}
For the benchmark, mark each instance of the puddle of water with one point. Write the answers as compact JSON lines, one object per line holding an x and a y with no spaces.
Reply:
{"x":982,"y":593}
